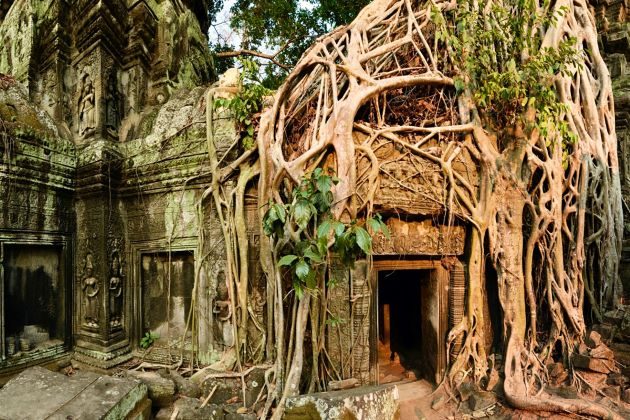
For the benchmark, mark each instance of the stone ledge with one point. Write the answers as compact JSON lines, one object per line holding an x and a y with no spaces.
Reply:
{"x":366,"y":403}
{"x":38,"y":393}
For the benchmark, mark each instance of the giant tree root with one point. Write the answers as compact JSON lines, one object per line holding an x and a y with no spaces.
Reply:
{"x":379,"y":95}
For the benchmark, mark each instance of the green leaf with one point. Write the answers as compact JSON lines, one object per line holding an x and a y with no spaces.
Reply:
{"x":312,"y":255}
{"x":324,"y":183}
{"x":287,"y":260}
{"x":298,"y":289}
{"x":363,"y":240}
{"x":385,"y":230}
{"x":338,"y":227}
{"x":459,"y":85}
{"x":302,"y":213}
{"x":302,"y":269}
{"x":374,"y":224}
{"x":281,"y":212}
{"x":324,"y":229}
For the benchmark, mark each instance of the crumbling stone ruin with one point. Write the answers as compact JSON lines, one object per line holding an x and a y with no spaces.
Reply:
{"x":103,"y":138}
{"x":109,"y":243}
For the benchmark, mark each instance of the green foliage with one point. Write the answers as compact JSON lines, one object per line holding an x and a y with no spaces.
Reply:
{"x":148,"y":339}
{"x":288,"y":24}
{"x":311,"y":231}
{"x":499,"y":57}
{"x":247,"y":102}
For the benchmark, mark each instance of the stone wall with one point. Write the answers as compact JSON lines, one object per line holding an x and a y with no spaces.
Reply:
{"x":37,"y":168}
{"x":614,"y":31}
{"x":103,"y":154}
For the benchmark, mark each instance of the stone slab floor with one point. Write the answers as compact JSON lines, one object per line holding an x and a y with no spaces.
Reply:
{"x":38,"y":393}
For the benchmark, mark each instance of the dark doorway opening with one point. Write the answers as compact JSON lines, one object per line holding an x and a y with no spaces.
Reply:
{"x":405,"y":331}
{"x":34,"y":299}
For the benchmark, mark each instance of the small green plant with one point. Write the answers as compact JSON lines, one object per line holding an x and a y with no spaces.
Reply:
{"x":501,"y":60}
{"x":310,"y":231}
{"x":247,"y":102}
{"x":148,"y":339}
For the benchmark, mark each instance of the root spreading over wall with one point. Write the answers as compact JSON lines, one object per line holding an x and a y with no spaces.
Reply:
{"x":545,"y":214}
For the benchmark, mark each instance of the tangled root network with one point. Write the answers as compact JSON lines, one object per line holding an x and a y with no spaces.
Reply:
{"x":544,"y":216}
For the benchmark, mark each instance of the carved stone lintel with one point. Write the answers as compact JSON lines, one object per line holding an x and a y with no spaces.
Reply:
{"x":420,"y":238}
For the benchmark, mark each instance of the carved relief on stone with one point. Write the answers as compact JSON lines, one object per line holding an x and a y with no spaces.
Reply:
{"x":223,"y":312}
{"x":86,"y":107}
{"x":48,"y":96}
{"x":115,"y":293}
{"x":112,"y":102}
{"x":420,"y":238}
{"x":90,"y":289}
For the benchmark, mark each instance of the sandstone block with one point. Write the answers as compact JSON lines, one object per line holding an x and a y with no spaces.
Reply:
{"x":161,"y":390}
{"x":366,"y":403}
{"x":581,"y":361}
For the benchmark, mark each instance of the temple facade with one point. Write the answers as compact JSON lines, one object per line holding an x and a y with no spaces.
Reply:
{"x":103,"y":169}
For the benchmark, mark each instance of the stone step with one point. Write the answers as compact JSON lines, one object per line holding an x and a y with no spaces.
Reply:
{"x":38,"y":393}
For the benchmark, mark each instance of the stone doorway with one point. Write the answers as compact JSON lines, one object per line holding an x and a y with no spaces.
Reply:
{"x":167,"y":286}
{"x":411,"y":320}
{"x":34,"y":302}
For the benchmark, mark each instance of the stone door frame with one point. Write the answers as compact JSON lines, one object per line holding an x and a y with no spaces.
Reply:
{"x":437,"y":271}
{"x":134,"y":302}
{"x":64,"y":244}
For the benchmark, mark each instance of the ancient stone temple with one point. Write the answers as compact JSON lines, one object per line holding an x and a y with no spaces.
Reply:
{"x":108,"y":239}
{"x":103,"y":135}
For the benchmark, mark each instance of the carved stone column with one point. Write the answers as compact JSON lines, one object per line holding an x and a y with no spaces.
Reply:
{"x":101,"y":270}
{"x":98,"y":108}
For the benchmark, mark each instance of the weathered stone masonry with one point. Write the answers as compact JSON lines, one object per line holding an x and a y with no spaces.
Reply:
{"x":103,"y":162}
{"x":103,"y":149}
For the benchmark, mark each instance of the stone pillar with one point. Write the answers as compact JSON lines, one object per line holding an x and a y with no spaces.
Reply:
{"x":137,"y":64}
{"x":101,"y":326}
{"x":50,"y":62}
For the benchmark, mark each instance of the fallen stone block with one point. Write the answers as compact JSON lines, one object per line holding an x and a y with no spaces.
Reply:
{"x":190,"y":409}
{"x":466,"y":389}
{"x":612,"y":391}
{"x":185,"y":387}
{"x":593,"y":339}
{"x":622,"y":353}
{"x":229,"y":386}
{"x":583,"y":349}
{"x":581,"y":361}
{"x":366,"y":403}
{"x":161,"y":390}
{"x":344,"y":384}
{"x":616,"y":379}
{"x":595,"y":379}
{"x":602,"y":352}
{"x":614,"y":317}
{"x":568,"y":392}
{"x":605,"y":330}
{"x":480,"y":400}
{"x":37,"y":393}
